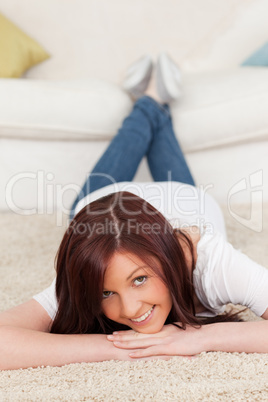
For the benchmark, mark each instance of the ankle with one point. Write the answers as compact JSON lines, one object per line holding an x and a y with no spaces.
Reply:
{"x":151,"y":90}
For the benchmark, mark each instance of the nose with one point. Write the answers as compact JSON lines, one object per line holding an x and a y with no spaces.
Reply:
{"x":130,"y":306}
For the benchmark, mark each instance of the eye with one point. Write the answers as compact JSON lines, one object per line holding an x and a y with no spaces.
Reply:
{"x":140,"y":280}
{"x":106,"y":294}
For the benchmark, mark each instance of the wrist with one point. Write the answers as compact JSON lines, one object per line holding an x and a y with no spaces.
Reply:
{"x":222,"y":337}
{"x":96,"y":348}
{"x":105,"y":349}
{"x":208,"y":335}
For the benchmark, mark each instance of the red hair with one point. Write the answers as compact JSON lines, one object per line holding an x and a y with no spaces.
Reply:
{"x":118,"y":222}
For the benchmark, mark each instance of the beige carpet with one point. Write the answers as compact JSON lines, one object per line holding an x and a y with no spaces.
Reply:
{"x":28,"y":246}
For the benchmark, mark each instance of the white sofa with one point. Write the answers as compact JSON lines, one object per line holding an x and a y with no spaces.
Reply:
{"x":58,"y":118}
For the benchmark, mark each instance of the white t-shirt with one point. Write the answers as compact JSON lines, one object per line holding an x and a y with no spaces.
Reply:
{"x":182,"y":205}
{"x":222,"y":274}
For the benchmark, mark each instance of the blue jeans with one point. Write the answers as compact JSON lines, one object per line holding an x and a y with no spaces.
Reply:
{"x":147,"y":131}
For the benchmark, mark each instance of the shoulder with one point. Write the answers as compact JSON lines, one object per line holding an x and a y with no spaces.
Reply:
{"x":193,"y":234}
{"x":30,"y":315}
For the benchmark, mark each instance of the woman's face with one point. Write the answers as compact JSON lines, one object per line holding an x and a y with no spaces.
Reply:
{"x":134,"y":295}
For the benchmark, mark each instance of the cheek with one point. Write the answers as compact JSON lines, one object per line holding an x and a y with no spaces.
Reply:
{"x":110,"y":310}
{"x":163,"y":293}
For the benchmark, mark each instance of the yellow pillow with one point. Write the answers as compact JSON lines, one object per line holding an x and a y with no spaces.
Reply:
{"x":18,"y":51}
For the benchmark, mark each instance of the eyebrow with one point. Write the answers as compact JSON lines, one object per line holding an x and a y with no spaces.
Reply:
{"x":135,"y":270}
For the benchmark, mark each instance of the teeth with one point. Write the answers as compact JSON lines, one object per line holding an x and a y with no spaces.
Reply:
{"x":144,"y":316}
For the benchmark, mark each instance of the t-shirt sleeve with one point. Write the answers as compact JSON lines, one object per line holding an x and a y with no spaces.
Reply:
{"x":48,"y":300}
{"x":235,"y":278}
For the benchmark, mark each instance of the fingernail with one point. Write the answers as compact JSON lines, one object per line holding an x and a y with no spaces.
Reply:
{"x":115,"y":333}
{"x":110,"y":337}
{"x":117,"y":343}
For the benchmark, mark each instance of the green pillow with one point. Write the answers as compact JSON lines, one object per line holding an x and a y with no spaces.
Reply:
{"x":18,"y":52}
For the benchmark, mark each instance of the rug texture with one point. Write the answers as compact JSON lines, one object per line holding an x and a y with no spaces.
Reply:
{"x":28,"y":245}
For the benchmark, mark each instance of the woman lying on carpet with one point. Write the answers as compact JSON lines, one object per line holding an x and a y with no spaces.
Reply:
{"x":130,"y":284}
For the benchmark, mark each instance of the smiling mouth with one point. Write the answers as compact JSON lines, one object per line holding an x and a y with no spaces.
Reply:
{"x":144,"y":316}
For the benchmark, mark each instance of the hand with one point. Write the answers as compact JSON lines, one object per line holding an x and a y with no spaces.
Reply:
{"x":115,"y":353}
{"x":170,"y":341}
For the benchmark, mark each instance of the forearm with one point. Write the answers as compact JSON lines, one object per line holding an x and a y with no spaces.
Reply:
{"x":248,"y":337}
{"x":22,"y":348}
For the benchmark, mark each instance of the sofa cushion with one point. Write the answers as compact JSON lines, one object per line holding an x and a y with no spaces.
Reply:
{"x":61,"y":110}
{"x":18,"y":51}
{"x":217,"y":109}
{"x":222,"y":108}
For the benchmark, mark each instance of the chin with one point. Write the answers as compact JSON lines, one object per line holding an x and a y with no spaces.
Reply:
{"x":150,"y":330}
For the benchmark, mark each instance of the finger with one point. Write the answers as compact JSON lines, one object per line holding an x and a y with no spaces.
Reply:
{"x":129,"y":331}
{"x":138,"y":343}
{"x":128,"y":336}
{"x":117,"y":335}
{"x":157,"y":350}
{"x":161,"y":357}
{"x":150,"y":351}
